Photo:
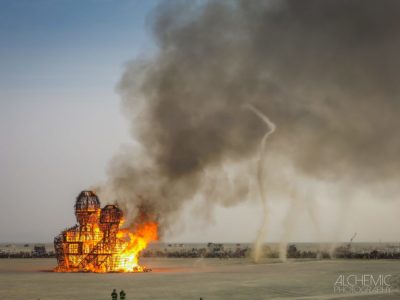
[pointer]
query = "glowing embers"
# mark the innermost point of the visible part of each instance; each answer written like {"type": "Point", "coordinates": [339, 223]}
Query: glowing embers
{"type": "Point", "coordinates": [98, 244]}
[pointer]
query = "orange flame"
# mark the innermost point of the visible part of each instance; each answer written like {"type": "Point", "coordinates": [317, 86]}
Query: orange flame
{"type": "Point", "coordinates": [134, 244]}
{"type": "Point", "coordinates": [91, 250]}
{"type": "Point", "coordinates": [98, 244]}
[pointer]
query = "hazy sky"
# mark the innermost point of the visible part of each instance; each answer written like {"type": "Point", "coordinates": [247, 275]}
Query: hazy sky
{"type": "Point", "coordinates": [59, 114]}
{"type": "Point", "coordinates": [60, 124]}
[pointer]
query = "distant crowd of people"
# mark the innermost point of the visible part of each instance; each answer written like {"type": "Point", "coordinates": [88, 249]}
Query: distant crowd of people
{"type": "Point", "coordinates": [218, 251]}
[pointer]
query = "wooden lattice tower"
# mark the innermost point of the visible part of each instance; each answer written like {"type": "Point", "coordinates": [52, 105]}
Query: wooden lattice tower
{"type": "Point", "coordinates": [92, 244]}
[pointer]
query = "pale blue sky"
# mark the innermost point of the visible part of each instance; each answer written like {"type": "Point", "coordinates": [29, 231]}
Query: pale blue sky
{"type": "Point", "coordinates": [59, 113]}
{"type": "Point", "coordinates": [69, 44]}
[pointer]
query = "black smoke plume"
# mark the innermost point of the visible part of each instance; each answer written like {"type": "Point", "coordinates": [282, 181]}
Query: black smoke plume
{"type": "Point", "coordinates": [325, 72]}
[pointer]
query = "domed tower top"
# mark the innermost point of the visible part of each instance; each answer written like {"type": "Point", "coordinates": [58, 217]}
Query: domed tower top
{"type": "Point", "coordinates": [110, 220]}
{"type": "Point", "coordinates": [111, 214]}
{"type": "Point", "coordinates": [87, 201]}
{"type": "Point", "coordinates": [87, 208]}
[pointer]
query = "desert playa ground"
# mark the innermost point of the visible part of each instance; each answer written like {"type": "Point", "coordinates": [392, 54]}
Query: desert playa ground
{"type": "Point", "coordinates": [184, 278]}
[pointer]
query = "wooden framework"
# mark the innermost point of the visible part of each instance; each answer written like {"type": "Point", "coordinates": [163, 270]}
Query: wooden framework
{"type": "Point", "coordinates": [92, 245]}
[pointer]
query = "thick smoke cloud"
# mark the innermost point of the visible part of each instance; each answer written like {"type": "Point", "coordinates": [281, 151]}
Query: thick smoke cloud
{"type": "Point", "coordinates": [325, 72]}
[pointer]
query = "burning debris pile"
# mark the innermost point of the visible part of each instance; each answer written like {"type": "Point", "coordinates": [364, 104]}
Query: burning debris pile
{"type": "Point", "coordinates": [98, 244]}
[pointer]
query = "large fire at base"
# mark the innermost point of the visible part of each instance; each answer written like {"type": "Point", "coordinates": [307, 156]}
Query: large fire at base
{"type": "Point", "coordinates": [98, 244]}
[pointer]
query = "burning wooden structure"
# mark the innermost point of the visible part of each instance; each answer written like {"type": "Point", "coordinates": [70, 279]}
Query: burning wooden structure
{"type": "Point", "coordinates": [97, 243]}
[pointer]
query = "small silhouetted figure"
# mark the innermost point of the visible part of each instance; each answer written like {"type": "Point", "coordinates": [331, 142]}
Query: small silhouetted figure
{"type": "Point", "coordinates": [122, 295]}
{"type": "Point", "coordinates": [114, 295]}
